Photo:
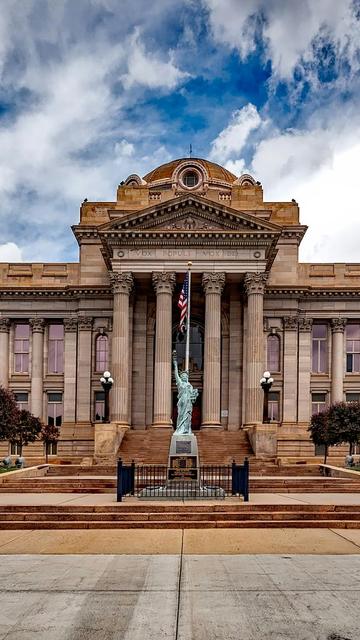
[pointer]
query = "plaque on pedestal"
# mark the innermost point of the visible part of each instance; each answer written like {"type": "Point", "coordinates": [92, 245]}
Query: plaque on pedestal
{"type": "Point", "coordinates": [183, 458]}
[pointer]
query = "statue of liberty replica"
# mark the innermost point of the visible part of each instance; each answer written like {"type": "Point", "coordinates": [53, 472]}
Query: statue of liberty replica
{"type": "Point", "coordinates": [183, 454]}
{"type": "Point", "coordinates": [186, 397]}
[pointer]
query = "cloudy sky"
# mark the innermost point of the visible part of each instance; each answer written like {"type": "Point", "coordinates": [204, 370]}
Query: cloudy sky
{"type": "Point", "coordinates": [93, 90]}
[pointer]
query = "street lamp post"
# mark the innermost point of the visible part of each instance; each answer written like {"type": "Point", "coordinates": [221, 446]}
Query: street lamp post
{"type": "Point", "coordinates": [266, 383]}
{"type": "Point", "coordinates": [106, 383]}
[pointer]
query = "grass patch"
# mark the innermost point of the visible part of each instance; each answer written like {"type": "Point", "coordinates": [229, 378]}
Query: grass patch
{"type": "Point", "coordinates": [5, 470]}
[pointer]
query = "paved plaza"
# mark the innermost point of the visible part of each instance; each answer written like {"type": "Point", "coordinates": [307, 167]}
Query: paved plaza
{"type": "Point", "coordinates": [180, 597]}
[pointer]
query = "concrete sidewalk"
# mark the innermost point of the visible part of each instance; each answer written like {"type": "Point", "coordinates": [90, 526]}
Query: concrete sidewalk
{"type": "Point", "coordinates": [174, 541]}
{"type": "Point", "coordinates": [176, 597]}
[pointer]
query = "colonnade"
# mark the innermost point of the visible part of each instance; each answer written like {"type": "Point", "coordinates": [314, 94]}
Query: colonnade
{"type": "Point", "coordinates": [77, 355]}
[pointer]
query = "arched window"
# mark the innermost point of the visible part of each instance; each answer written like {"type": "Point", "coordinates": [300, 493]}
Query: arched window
{"type": "Point", "coordinates": [101, 353]}
{"type": "Point", "coordinates": [273, 353]}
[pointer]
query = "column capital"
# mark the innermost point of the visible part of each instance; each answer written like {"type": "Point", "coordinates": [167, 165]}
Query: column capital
{"type": "Point", "coordinates": [70, 324]}
{"type": "Point", "coordinates": [305, 324]}
{"type": "Point", "coordinates": [338, 325]}
{"type": "Point", "coordinates": [163, 281]}
{"type": "Point", "coordinates": [85, 323]}
{"type": "Point", "coordinates": [213, 282]}
{"type": "Point", "coordinates": [121, 282]}
{"type": "Point", "coordinates": [255, 282]}
{"type": "Point", "coordinates": [290, 323]}
{"type": "Point", "coordinates": [4, 325]}
{"type": "Point", "coordinates": [37, 325]}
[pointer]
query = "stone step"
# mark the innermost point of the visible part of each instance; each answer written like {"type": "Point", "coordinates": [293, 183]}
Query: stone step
{"type": "Point", "coordinates": [180, 524]}
{"type": "Point", "coordinates": [175, 517]}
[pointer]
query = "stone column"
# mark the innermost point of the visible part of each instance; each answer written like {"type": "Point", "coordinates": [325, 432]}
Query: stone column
{"type": "Point", "coordinates": [4, 351]}
{"type": "Point", "coordinates": [83, 397]}
{"type": "Point", "coordinates": [337, 359]}
{"type": "Point", "coordinates": [255, 287]}
{"type": "Point", "coordinates": [164, 283]}
{"type": "Point", "coordinates": [122, 284]}
{"type": "Point", "coordinates": [70, 360]}
{"type": "Point", "coordinates": [37, 366]}
{"type": "Point", "coordinates": [305, 326]}
{"type": "Point", "coordinates": [290, 387]}
{"type": "Point", "coordinates": [213, 284]}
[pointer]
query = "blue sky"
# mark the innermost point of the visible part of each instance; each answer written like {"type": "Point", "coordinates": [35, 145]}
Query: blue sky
{"type": "Point", "coordinates": [93, 90]}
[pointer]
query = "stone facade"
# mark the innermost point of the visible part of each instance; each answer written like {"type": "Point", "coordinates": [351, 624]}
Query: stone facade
{"type": "Point", "coordinates": [249, 293]}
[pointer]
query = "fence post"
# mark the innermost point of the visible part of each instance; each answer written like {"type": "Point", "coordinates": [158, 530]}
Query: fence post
{"type": "Point", "coordinates": [246, 480]}
{"type": "Point", "coordinates": [233, 481]}
{"type": "Point", "coordinates": [119, 481]}
{"type": "Point", "coordinates": [132, 478]}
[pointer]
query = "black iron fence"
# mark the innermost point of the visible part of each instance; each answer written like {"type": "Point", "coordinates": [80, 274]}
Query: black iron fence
{"type": "Point", "coordinates": [213, 481]}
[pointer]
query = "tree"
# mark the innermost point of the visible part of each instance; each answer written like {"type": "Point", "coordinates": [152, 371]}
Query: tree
{"type": "Point", "coordinates": [321, 431]}
{"type": "Point", "coordinates": [9, 414]}
{"type": "Point", "coordinates": [27, 430]}
{"type": "Point", "coordinates": [49, 433]}
{"type": "Point", "coordinates": [344, 419]}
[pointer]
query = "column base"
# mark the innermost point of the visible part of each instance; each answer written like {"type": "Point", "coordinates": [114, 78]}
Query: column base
{"type": "Point", "coordinates": [162, 425]}
{"type": "Point", "coordinates": [211, 425]}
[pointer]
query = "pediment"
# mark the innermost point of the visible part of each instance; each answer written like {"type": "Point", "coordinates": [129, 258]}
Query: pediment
{"type": "Point", "coordinates": [189, 214]}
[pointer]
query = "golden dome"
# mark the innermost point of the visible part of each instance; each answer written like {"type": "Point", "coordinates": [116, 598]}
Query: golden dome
{"type": "Point", "coordinates": [214, 171]}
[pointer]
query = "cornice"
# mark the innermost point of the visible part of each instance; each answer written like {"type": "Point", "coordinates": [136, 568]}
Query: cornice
{"type": "Point", "coordinates": [312, 293]}
{"type": "Point", "coordinates": [53, 293]}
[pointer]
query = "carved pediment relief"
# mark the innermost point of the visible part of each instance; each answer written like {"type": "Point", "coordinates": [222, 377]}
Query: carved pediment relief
{"type": "Point", "coordinates": [189, 214]}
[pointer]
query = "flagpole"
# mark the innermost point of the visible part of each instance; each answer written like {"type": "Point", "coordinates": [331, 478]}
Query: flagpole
{"type": "Point", "coordinates": [188, 328]}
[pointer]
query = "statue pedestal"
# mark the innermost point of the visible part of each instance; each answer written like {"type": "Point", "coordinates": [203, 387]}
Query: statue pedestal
{"type": "Point", "coordinates": [183, 461]}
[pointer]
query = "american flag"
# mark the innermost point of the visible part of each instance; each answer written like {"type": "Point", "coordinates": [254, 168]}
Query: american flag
{"type": "Point", "coordinates": [183, 304]}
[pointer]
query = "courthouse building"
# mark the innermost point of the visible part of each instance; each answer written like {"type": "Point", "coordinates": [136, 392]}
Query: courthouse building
{"type": "Point", "coordinates": [254, 307]}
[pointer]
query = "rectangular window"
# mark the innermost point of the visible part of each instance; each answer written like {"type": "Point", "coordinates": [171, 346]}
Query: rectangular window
{"type": "Point", "coordinates": [353, 397]}
{"type": "Point", "coordinates": [353, 348]}
{"type": "Point", "coordinates": [52, 448]}
{"type": "Point", "coordinates": [319, 348]}
{"type": "Point", "coordinates": [274, 406]}
{"type": "Point", "coordinates": [22, 400]}
{"type": "Point", "coordinates": [56, 348]}
{"type": "Point", "coordinates": [54, 409]}
{"type": "Point", "coordinates": [99, 406]}
{"type": "Point", "coordinates": [21, 348]}
{"type": "Point", "coordinates": [14, 449]}
{"type": "Point", "coordinates": [318, 402]}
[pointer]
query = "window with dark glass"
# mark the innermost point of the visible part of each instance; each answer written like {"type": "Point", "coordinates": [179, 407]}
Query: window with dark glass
{"type": "Point", "coordinates": [274, 406]}
{"type": "Point", "coordinates": [196, 347]}
{"type": "Point", "coordinates": [318, 402]}
{"type": "Point", "coordinates": [353, 348]}
{"type": "Point", "coordinates": [353, 396]}
{"type": "Point", "coordinates": [56, 348]}
{"type": "Point", "coordinates": [54, 409]}
{"type": "Point", "coordinates": [22, 400]}
{"type": "Point", "coordinates": [21, 348]}
{"type": "Point", "coordinates": [14, 449]}
{"type": "Point", "coordinates": [51, 448]}
{"type": "Point", "coordinates": [101, 353]}
{"type": "Point", "coordinates": [99, 406]}
{"type": "Point", "coordinates": [190, 179]}
{"type": "Point", "coordinates": [273, 353]}
{"type": "Point", "coordinates": [319, 348]}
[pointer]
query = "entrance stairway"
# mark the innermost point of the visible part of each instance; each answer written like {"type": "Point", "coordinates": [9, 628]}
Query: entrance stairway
{"type": "Point", "coordinates": [216, 446]}
{"type": "Point", "coordinates": [179, 516]}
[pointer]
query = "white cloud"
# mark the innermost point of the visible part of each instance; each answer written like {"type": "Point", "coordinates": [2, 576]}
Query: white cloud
{"type": "Point", "coordinates": [319, 168]}
{"type": "Point", "coordinates": [237, 167]}
{"type": "Point", "coordinates": [232, 139]}
{"type": "Point", "coordinates": [72, 140]}
{"type": "Point", "coordinates": [289, 28]}
{"type": "Point", "coordinates": [10, 252]}
{"type": "Point", "coordinates": [148, 70]}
